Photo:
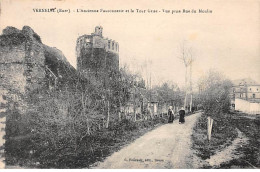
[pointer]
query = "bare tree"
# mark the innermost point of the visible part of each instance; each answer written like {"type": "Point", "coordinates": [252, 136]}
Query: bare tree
{"type": "Point", "coordinates": [191, 60]}
{"type": "Point", "coordinates": [187, 58]}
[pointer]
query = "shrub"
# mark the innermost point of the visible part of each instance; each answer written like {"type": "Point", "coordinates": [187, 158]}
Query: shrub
{"type": "Point", "coordinates": [59, 132]}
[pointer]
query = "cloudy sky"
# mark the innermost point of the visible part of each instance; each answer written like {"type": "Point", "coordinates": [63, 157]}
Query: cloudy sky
{"type": "Point", "coordinates": [228, 39]}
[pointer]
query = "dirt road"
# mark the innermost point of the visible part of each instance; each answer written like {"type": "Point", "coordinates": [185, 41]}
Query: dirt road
{"type": "Point", "coordinates": [168, 146]}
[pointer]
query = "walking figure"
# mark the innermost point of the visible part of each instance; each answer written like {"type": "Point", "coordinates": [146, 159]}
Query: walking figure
{"type": "Point", "coordinates": [182, 115]}
{"type": "Point", "coordinates": [170, 114]}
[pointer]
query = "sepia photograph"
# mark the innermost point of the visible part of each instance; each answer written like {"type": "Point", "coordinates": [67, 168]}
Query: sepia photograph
{"type": "Point", "coordinates": [127, 84]}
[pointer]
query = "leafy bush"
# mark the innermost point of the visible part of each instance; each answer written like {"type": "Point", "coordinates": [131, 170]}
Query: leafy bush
{"type": "Point", "coordinates": [214, 93]}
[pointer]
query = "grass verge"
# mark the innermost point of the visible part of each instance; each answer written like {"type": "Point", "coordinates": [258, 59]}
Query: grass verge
{"type": "Point", "coordinates": [250, 126]}
{"type": "Point", "coordinates": [223, 133]}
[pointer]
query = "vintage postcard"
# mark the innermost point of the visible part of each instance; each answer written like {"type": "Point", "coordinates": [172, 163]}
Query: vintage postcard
{"type": "Point", "coordinates": [129, 84]}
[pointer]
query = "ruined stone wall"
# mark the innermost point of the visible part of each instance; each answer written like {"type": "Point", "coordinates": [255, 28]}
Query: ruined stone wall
{"type": "Point", "coordinates": [34, 66]}
{"type": "Point", "coordinates": [25, 63]}
{"type": "Point", "coordinates": [12, 67]}
{"type": "Point", "coordinates": [27, 66]}
{"type": "Point", "coordinates": [12, 81]}
{"type": "Point", "coordinates": [3, 103]}
{"type": "Point", "coordinates": [65, 74]}
{"type": "Point", "coordinates": [21, 71]}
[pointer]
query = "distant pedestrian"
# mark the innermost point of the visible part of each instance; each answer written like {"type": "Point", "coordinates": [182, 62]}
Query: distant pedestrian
{"type": "Point", "coordinates": [193, 109]}
{"type": "Point", "coordinates": [170, 114]}
{"type": "Point", "coordinates": [182, 116]}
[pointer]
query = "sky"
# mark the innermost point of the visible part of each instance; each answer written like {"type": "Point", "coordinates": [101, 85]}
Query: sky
{"type": "Point", "coordinates": [227, 40]}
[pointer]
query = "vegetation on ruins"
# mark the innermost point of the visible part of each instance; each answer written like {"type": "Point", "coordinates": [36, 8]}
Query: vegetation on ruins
{"type": "Point", "coordinates": [75, 127]}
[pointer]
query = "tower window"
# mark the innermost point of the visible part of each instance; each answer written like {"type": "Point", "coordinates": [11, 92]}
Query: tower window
{"type": "Point", "coordinates": [113, 46]}
{"type": "Point", "coordinates": [253, 95]}
{"type": "Point", "coordinates": [108, 44]}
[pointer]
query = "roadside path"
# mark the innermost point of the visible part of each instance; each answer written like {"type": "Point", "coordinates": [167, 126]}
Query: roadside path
{"type": "Point", "coordinates": [168, 146]}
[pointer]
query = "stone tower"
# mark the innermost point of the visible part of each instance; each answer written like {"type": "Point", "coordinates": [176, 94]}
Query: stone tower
{"type": "Point", "coordinates": [96, 55]}
{"type": "Point", "coordinates": [98, 30]}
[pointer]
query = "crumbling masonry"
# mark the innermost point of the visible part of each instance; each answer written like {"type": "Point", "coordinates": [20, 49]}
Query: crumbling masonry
{"type": "Point", "coordinates": [27, 65]}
